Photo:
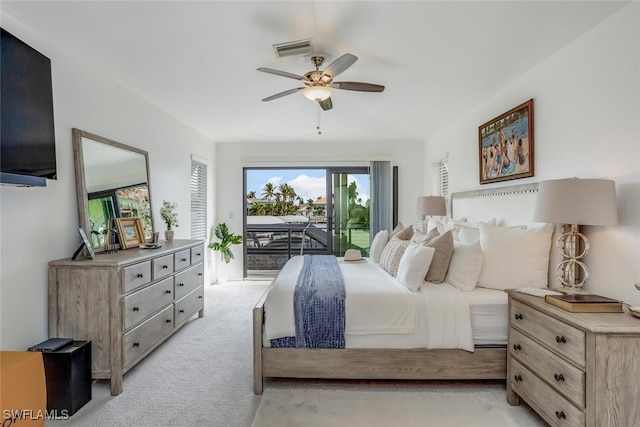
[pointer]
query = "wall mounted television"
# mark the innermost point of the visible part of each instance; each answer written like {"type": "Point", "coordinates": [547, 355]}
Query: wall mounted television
{"type": "Point", "coordinates": [27, 140]}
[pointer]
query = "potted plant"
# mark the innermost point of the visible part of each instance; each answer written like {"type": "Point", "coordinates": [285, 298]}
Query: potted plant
{"type": "Point", "coordinates": [170, 218]}
{"type": "Point", "coordinates": [227, 239]}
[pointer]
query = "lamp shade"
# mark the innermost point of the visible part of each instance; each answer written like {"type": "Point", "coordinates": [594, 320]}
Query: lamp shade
{"type": "Point", "coordinates": [315, 93]}
{"type": "Point", "coordinates": [431, 205]}
{"type": "Point", "coordinates": [577, 201]}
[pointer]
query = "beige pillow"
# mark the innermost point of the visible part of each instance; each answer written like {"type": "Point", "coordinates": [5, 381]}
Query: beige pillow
{"type": "Point", "coordinates": [419, 237]}
{"type": "Point", "coordinates": [392, 254]}
{"type": "Point", "coordinates": [405, 233]}
{"type": "Point", "coordinates": [398, 228]}
{"type": "Point", "coordinates": [443, 245]}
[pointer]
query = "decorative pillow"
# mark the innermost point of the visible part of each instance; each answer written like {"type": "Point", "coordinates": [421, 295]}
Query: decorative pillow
{"type": "Point", "coordinates": [465, 266]}
{"type": "Point", "coordinates": [378, 244]}
{"type": "Point", "coordinates": [515, 257]}
{"type": "Point", "coordinates": [420, 237]}
{"type": "Point", "coordinates": [405, 233]}
{"type": "Point", "coordinates": [392, 254]}
{"type": "Point", "coordinates": [398, 228]}
{"type": "Point", "coordinates": [443, 246]}
{"type": "Point", "coordinates": [414, 265]}
{"type": "Point", "coordinates": [468, 235]}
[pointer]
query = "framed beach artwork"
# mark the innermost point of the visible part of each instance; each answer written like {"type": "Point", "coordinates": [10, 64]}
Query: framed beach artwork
{"type": "Point", "coordinates": [506, 145]}
{"type": "Point", "coordinates": [130, 232]}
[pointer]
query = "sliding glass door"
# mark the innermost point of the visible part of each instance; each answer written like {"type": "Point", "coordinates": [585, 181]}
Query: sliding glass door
{"type": "Point", "coordinates": [349, 216]}
{"type": "Point", "coordinates": [294, 211]}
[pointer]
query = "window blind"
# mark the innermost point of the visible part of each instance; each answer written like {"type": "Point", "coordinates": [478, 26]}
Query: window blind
{"type": "Point", "coordinates": [198, 200]}
{"type": "Point", "coordinates": [440, 173]}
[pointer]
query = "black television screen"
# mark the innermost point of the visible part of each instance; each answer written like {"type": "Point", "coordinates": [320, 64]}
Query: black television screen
{"type": "Point", "coordinates": [27, 142]}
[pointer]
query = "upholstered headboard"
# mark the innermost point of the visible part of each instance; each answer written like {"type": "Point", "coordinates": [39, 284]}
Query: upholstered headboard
{"type": "Point", "coordinates": [510, 205]}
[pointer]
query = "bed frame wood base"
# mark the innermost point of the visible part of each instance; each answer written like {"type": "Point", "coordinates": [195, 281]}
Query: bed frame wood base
{"type": "Point", "coordinates": [396, 364]}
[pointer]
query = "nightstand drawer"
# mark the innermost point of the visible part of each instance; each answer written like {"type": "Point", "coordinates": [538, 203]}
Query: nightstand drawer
{"type": "Point", "coordinates": [551, 405]}
{"type": "Point", "coordinates": [552, 333]}
{"type": "Point", "coordinates": [563, 376]}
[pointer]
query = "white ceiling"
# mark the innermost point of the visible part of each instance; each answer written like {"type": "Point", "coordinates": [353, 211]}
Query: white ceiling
{"type": "Point", "coordinates": [198, 60]}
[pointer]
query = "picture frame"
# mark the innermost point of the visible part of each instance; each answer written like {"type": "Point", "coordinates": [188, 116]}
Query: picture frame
{"type": "Point", "coordinates": [130, 232]}
{"type": "Point", "coordinates": [505, 145]}
{"type": "Point", "coordinates": [86, 244]}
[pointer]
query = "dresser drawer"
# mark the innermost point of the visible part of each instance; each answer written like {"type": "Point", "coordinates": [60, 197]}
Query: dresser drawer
{"type": "Point", "coordinates": [197, 254]}
{"type": "Point", "coordinates": [551, 405]}
{"type": "Point", "coordinates": [563, 376]}
{"type": "Point", "coordinates": [143, 303]}
{"type": "Point", "coordinates": [188, 280]}
{"type": "Point", "coordinates": [162, 266]}
{"type": "Point", "coordinates": [552, 333]}
{"type": "Point", "coordinates": [141, 338]}
{"type": "Point", "coordinates": [189, 304]}
{"type": "Point", "coordinates": [181, 259]}
{"type": "Point", "coordinates": [136, 275]}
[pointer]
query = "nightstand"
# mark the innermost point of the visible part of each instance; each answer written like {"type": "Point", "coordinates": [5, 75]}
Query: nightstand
{"type": "Point", "coordinates": [573, 369]}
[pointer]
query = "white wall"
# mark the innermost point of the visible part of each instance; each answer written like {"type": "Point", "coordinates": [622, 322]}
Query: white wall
{"type": "Point", "coordinates": [38, 225]}
{"type": "Point", "coordinates": [587, 124]}
{"type": "Point", "coordinates": [232, 157]}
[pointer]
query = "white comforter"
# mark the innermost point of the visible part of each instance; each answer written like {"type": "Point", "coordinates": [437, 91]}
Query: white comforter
{"type": "Point", "coordinates": [378, 305]}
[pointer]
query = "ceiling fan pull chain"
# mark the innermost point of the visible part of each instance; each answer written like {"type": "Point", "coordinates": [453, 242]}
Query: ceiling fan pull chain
{"type": "Point", "coordinates": [318, 121]}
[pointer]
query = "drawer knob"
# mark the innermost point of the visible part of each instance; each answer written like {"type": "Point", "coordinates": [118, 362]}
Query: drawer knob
{"type": "Point", "coordinates": [558, 377]}
{"type": "Point", "coordinates": [167, 291]}
{"type": "Point", "coordinates": [518, 378]}
{"type": "Point", "coordinates": [183, 259]}
{"type": "Point", "coordinates": [517, 347]}
{"type": "Point", "coordinates": [199, 296]}
{"type": "Point", "coordinates": [140, 275]}
{"type": "Point", "coordinates": [518, 316]}
{"type": "Point", "coordinates": [199, 274]}
{"type": "Point", "coordinates": [164, 267]}
{"type": "Point", "coordinates": [181, 311]}
{"type": "Point", "coordinates": [198, 254]}
{"type": "Point", "coordinates": [180, 284]}
{"type": "Point", "coordinates": [136, 308]}
{"type": "Point", "coordinates": [561, 339]}
{"type": "Point", "coordinates": [136, 344]}
{"type": "Point", "coordinates": [168, 320]}
{"type": "Point", "coordinates": [560, 415]}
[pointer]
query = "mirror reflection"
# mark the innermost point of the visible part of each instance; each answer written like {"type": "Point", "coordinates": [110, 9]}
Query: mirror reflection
{"type": "Point", "coordinates": [115, 184]}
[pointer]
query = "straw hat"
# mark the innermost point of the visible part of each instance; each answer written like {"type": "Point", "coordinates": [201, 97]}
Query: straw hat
{"type": "Point", "coordinates": [353, 255]}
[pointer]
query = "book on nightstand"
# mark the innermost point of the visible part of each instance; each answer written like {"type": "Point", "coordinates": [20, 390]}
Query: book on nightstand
{"type": "Point", "coordinates": [585, 303]}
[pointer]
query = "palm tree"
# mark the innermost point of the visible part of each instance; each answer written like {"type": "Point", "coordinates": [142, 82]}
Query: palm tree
{"type": "Point", "coordinates": [269, 190]}
{"type": "Point", "coordinates": [251, 195]}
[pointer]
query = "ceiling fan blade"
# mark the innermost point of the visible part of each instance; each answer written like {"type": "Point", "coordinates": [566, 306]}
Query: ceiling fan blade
{"type": "Point", "coordinates": [359, 86]}
{"type": "Point", "coordinates": [280, 73]}
{"type": "Point", "coordinates": [327, 104]}
{"type": "Point", "coordinates": [281, 94]}
{"type": "Point", "coordinates": [339, 65]}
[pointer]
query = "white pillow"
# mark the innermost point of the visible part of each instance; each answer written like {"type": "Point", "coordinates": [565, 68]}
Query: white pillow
{"type": "Point", "coordinates": [465, 266]}
{"type": "Point", "coordinates": [414, 265]}
{"type": "Point", "coordinates": [468, 235]}
{"type": "Point", "coordinates": [515, 257]}
{"type": "Point", "coordinates": [377, 245]}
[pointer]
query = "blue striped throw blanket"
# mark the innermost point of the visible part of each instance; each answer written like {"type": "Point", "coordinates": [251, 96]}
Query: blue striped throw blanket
{"type": "Point", "coordinates": [318, 305]}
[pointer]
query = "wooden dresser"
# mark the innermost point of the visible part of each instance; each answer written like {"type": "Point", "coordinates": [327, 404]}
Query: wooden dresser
{"type": "Point", "coordinates": [126, 303]}
{"type": "Point", "coordinates": [574, 369]}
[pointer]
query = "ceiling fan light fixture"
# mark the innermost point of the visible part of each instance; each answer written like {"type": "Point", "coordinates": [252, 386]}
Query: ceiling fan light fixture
{"type": "Point", "coordinates": [315, 93]}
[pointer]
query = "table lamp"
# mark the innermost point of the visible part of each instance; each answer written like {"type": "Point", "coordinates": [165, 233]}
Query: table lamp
{"type": "Point", "coordinates": [574, 202]}
{"type": "Point", "coordinates": [430, 205]}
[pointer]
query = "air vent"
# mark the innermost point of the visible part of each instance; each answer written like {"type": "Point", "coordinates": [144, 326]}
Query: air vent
{"type": "Point", "coordinates": [298, 47]}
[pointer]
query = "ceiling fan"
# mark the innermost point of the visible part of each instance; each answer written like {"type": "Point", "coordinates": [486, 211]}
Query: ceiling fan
{"type": "Point", "coordinates": [319, 85]}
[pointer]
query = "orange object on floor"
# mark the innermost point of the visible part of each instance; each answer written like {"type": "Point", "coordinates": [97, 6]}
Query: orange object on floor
{"type": "Point", "coordinates": [23, 389]}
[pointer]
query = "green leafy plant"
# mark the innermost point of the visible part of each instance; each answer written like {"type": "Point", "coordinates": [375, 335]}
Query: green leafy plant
{"type": "Point", "coordinates": [226, 240]}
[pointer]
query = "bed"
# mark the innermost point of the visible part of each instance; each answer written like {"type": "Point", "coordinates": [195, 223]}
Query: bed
{"type": "Point", "coordinates": [421, 354]}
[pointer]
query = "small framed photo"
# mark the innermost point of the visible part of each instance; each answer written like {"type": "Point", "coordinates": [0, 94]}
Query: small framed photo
{"type": "Point", "coordinates": [506, 145]}
{"type": "Point", "coordinates": [130, 232]}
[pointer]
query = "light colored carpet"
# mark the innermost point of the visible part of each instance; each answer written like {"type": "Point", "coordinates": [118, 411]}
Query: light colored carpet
{"type": "Point", "coordinates": [202, 376]}
{"type": "Point", "coordinates": [439, 405]}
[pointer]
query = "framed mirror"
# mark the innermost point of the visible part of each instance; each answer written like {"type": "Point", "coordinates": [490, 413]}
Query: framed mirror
{"type": "Point", "coordinates": [112, 181]}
